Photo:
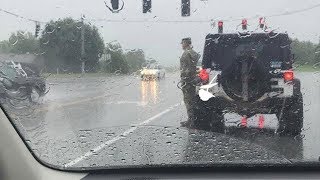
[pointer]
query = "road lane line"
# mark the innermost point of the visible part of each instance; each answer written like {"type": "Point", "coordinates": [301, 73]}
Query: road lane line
{"type": "Point", "coordinates": [122, 136]}
{"type": "Point", "coordinates": [138, 103]}
{"type": "Point", "coordinates": [84, 100]}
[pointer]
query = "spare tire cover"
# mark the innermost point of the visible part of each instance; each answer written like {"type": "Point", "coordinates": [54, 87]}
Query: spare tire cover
{"type": "Point", "coordinates": [258, 79]}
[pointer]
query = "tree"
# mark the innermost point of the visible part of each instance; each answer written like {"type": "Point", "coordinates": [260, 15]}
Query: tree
{"type": "Point", "coordinates": [304, 51]}
{"type": "Point", "coordinates": [317, 54]}
{"type": "Point", "coordinates": [135, 59]}
{"type": "Point", "coordinates": [5, 47]}
{"type": "Point", "coordinates": [150, 61]}
{"type": "Point", "coordinates": [61, 40]}
{"type": "Point", "coordinates": [20, 42]}
{"type": "Point", "coordinates": [117, 62]}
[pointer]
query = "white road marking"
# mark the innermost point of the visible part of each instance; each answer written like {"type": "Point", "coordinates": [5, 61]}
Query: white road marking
{"type": "Point", "coordinates": [55, 105]}
{"type": "Point", "coordinates": [138, 103]}
{"type": "Point", "coordinates": [123, 135]}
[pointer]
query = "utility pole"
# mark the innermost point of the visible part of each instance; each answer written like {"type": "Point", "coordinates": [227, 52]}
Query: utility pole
{"type": "Point", "coordinates": [82, 46]}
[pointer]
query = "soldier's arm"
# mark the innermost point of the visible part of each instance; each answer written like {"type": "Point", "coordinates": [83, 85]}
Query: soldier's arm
{"type": "Point", "coordinates": [197, 57]}
{"type": "Point", "coordinates": [186, 62]}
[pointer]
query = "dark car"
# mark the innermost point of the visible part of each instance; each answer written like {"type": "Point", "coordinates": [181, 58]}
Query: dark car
{"type": "Point", "coordinates": [18, 81]}
{"type": "Point", "coordinates": [254, 79]}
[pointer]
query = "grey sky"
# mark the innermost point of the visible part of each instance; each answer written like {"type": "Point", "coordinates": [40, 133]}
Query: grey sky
{"type": "Point", "coordinates": [161, 40]}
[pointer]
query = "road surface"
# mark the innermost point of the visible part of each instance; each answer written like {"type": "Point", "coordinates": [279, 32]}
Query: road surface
{"type": "Point", "coordinates": [81, 116]}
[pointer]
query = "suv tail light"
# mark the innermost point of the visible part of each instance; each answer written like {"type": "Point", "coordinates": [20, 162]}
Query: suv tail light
{"type": "Point", "coordinates": [204, 76]}
{"type": "Point", "coordinates": [288, 75]}
{"type": "Point", "coordinates": [244, 24]}
{"type": "Point", "coordinates": [220, 27]}
{"type": "Point", "coordinates": [262, 22]}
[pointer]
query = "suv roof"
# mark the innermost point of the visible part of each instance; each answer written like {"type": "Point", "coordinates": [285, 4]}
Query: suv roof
{"type": "Point", "coordinates": [222, 49]}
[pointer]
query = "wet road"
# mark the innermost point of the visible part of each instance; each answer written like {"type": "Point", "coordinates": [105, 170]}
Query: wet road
{"type": "Point", "coordinates": [82, 116]}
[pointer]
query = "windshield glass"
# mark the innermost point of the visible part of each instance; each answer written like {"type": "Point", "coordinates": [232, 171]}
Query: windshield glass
{"type": "Point", "coordinates": [141, 83]}
{"type": "Point", "coordinates": [153, 66]}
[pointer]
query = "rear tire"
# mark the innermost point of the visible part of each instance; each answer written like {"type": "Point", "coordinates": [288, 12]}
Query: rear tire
{"type": "Point", "coordinates": [291, 123]}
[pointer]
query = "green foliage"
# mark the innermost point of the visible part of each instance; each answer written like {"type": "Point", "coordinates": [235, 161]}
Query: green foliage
{"type": "Point", "coordinates": [135, 59]}
{"type": "Point", "coordinates": [5, 47]}
{"type": "Point", "coordinates": [304, 51]}
{"type": "Point", "coordinates": [317, 54]}
{"type": "Point", "coordinates": [61, 40]}
{"type": "Point", "coordinates": [151, 61]}
{"type": "Point", "coordinates": [117, 62]}
{"type": "Point", "coordinates": [20, 42]}
{"type": "Point", "coordinates": [120, 62]}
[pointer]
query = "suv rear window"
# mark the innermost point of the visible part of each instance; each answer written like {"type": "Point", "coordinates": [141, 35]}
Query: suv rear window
{"type": "Point", "coordinates": [222, 49]}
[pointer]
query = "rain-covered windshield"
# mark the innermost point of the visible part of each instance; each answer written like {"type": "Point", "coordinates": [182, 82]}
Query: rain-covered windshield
{"type": "Point", "coordinates": [153, 66]}
{"type": "Point", "coordinates": [140, 83]}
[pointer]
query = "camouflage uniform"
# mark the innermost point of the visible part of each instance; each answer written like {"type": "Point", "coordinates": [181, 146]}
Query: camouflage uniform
{"type": "Point", "coordinates": [188, 68]}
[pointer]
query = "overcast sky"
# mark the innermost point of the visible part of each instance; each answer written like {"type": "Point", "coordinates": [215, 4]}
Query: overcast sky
{"type": "Point", "coordinates": [162, 40]}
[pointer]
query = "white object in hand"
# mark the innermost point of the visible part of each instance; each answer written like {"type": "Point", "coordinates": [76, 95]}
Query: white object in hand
{"type": "Point", "coordinates": [205, 95]}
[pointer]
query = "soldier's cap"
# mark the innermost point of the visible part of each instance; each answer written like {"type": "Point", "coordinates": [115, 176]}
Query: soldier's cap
{"type": "Point", "coordinates": [186, 40]}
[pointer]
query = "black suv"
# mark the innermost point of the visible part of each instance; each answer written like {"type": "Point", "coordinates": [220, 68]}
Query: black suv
{"type": "Point", "coordinates": [253, 79]}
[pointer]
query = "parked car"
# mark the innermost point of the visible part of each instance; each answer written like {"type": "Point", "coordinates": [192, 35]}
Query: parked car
{"type": "Point", "coordinates": [20, 81]}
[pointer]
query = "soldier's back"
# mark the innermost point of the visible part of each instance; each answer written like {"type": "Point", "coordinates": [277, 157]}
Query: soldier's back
{"type": "Point", "coordinates": [188, 63]}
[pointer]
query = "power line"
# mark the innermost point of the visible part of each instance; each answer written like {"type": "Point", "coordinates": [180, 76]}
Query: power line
{"type": "Point", "coordinates": [296, 11]}
{"type": "Point", "coordinates": [210, 20]}
{"type": "Point", "coordinates": [173, 21]}
{"type": "Point", "coordinates": [19, 16]}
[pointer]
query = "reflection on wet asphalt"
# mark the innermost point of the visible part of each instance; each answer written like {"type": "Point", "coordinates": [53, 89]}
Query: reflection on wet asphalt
{"type": "Point", "coordinates": [154, 145]}
{"type": "Point", "coordinates": [110, 115]}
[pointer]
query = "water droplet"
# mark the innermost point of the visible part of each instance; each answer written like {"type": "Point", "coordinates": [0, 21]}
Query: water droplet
{"type": "Point", "coordinates": [82, 136]}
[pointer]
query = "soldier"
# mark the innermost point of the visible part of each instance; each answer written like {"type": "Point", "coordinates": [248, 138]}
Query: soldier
{"type": "Point", "coordinates": [188, 68]}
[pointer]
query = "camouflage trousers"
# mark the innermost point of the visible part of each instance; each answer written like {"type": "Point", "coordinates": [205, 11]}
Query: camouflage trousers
{"type": "Point", "coordinates": [190, 101]}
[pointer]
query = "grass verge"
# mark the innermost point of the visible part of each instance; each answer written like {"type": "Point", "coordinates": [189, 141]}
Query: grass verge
{"type": "Point", "coordinates": [75, 75]}
{"type": "Point", "coordinates": [307, 68]}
